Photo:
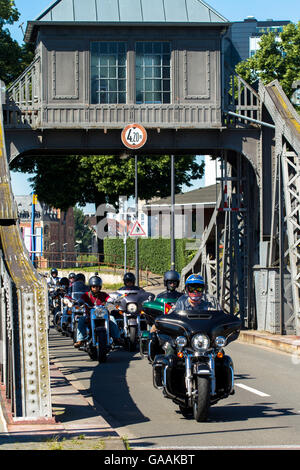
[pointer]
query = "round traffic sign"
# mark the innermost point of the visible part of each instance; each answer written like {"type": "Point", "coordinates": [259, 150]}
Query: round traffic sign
{"type": "Point", "coordinates": [134, 136]}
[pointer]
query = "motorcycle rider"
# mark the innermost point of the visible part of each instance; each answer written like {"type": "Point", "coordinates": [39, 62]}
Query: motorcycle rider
{"type": "Point", "coordinates": [171, 281]}
{"type": "Point", "coordinates": [52, 280]}
{"type": "Point", "coordinates": [129, 282]}
{"type": "Point", "coordinates": [94, 297]}
{"type": "Point", "coordinates": [71, 278]}
{"type": "Point", "coordinates": [78, 287]}
{"type": "Point", "coordinates": [195, 296]}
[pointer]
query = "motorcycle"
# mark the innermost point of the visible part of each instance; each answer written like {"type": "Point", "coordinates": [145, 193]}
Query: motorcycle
{"type": "Point", "coordinates": [99, 342]}
{"type": "Point", "coordinates": [195, 372]}
{"type": "Point", "coordinates": [58, 309]}
{"type": "Point", "coordinates": [128, 313]}
{"type": "Point", "coordinates": [153, 309]}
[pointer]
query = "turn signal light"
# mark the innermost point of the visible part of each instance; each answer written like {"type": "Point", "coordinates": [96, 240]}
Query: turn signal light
{"type": "Point", "coordinates": [180, 354]}
{"type": "Point", "coordinates": [220, 355]}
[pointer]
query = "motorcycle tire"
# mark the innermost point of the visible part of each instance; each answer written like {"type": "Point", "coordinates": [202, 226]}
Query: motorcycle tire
{"type": "Point", "coordinates": [201, 402]}
{"type": "Point", "coordinates": [132, 338]}
{"type": "Point", "coordinates": [74, 334]}
{"type": "Point", "coordinates": [101, 348]}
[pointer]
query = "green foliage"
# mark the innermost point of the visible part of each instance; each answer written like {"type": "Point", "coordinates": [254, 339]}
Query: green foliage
{"type": "Point", "coordinates": [275, 60]}
{"type": "Point", "coordinates": [13, 57]}
{"type": "Point", "coordinates": [104, 178]}
{"type": "Point", "coordinates": [82, 231]}
{"type": "Point", "coordinates": [8, 12]}
{"type": "Point", "coordinates": [154, 253]}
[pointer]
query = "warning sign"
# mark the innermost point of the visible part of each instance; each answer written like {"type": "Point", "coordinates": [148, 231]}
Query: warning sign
{"type": "Point", "coordinates": [137, 230]}
{"type": "Point", "coordinates": [134, 136]}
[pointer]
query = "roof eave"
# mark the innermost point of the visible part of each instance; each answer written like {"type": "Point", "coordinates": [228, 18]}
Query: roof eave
{"type": "Point", "coordinates": [32, 26]}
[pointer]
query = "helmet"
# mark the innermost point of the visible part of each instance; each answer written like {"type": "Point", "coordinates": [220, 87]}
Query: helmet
{"type": "Point", "coordinates": [129, 277]}
{"type": "Point", "coordinates": [64, 282]}
{"type": "Point", "coordinates": [171, 276]}
{"type": "Point", "coordinates": [195, 286]}
{"type": "Point", "coordinates": [80, 277]}
{"type": "Point", "coordinates": [54, 271]}
{"type": "Point", "coordinates": [72, 276]}
{"type": "Point", "coordinates": [95, 281]}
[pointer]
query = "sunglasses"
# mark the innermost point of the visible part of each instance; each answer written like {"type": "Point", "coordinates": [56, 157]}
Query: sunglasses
{"type": "Point", "coordinates": [195, 289]}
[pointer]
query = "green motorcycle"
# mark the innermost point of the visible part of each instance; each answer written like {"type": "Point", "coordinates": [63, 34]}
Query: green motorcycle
{"type": "Point", "coordinates": [151, 310]}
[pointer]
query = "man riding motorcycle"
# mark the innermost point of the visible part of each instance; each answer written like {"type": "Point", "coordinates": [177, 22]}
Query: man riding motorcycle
{"type": "Point", "coordinates": [78, 287]}
{"type": "Point", "coordinates": [171, 281]}
{"type": "Point", "coordinates": [94, 297]}
{"type": "Point", "coordinates": [129, 282]}
{"type": "Point", "coordinates": [53, 279]}
{"type": "Point", "coordinates": [195, 298]}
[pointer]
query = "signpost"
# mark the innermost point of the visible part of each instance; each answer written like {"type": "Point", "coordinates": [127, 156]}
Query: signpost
{"type": "Point", "coordinates": [134, 137]}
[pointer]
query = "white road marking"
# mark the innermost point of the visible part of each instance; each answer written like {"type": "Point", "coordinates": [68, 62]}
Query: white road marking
{"type": "Point", "coordinates": [253, 390]}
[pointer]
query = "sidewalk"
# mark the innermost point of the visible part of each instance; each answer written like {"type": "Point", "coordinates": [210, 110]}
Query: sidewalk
{"type": "Point", "coordinates": [79, 424]}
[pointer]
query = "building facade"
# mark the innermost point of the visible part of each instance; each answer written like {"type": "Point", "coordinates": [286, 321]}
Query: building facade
{"type": "Point", "coordinates": [245, 36]}
{"type": "Point", "coordinates": [48, 233]}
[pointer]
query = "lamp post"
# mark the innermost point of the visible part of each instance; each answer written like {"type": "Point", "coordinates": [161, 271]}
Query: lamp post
{"type": "Point", "coordinates": [136, 216]}
{"type": "Point", "coordinates": [51, 252]}
{"type": "Point", "coordinates": [172, 214]}
{"type": "Point", "coordinates": [64, 250]}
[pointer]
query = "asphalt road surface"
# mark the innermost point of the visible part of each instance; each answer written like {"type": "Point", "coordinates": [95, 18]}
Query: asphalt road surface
{"type": "Point", "coordinates": [263, 413]}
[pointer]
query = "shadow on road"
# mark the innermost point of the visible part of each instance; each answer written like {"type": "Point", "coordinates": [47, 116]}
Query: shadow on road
{"type": "Point", "coordinates": [106, 383]}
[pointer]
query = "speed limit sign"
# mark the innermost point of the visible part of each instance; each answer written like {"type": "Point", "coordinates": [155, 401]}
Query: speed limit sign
{"type": "Point", "coordinates": [134, 136]}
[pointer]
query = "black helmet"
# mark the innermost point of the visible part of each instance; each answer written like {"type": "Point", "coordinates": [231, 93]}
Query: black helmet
{"type": "Point", "coordinates": [129, 277]}
{"type": "Point", "coordinates": [95, 281]}
{"type": "Point", "coordinates": [171, 276]}
{"type": "Point", "coordinates": [64, 282]}
{"type": "Point", "coordinates": [72, 276]}
{"type": "Point", "coordinates": [80, 277]}
{"type": "Point", "coordinates": [54, 271]}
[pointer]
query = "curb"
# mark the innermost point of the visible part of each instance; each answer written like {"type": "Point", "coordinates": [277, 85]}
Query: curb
{"type": "Point", "coordinates": [289, 344]}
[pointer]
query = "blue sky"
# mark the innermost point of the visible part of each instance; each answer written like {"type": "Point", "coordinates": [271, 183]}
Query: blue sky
{"type": "Point", "coordinates": [233, 10]}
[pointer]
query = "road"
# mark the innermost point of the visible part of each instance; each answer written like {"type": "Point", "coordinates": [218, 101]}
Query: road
{"type": "Point", "coordinates": [263, 413]}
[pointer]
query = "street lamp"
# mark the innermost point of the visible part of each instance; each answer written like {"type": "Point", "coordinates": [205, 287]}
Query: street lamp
{"type": "Point", "coordinates": [124, 156]}
{"type": "Point", "coordinates": [51, 252]}
{"type": "Point", "coordinates": [64, 250]}
{"type": "Point", "coordinates": [172, 214]}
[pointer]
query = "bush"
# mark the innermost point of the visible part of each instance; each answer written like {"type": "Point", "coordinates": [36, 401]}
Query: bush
{"type": "Point", "coordinates": [154, 253]}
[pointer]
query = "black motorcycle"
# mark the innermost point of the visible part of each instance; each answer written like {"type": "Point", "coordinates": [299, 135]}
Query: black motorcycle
{"type": "Point", "coordinates": [194, 371]}
{"type": "Point", "coordinates": [128, 305]}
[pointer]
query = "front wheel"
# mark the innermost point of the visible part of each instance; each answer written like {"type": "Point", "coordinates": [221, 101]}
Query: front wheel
{"type": "Point", "coordinates": [101, 346]}
{"type": "Point", "coordinates": [132, 338]}
{"type": "Point", "coordinates": [201, 403]}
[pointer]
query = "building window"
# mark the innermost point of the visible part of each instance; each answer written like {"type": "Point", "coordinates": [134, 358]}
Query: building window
{"type": "Point", "coordinates": [108, 72]}
{"type": "Point", "coordinates": [153, 84]}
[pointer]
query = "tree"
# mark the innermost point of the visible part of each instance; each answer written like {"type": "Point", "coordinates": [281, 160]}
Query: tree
{"type": "Point", "coordinates": [13, 57]}
{"type": "Point", "coordinates": [275, 59]}
{"type": "Point", "coordinates": [103, 179]}
{"type": "Point", "coordinates": [82, 231]}
{"type": "Point", "coordinates": [65, 181]}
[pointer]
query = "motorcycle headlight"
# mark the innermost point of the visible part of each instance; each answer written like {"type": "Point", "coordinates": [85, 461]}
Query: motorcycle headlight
{"type": "Point", "coordinates": [132, 308]}
{"type": "Point", "coordinates": [181, 341]}
{"type": "Point", "coordinates": [200, 342]}
{"type": "Point", "coordinates": [220, 341]}
{"type": "Point", "coordinates": [99, 312]}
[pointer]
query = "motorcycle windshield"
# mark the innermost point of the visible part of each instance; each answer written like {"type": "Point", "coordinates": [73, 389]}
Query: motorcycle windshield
{"type": "Point", "coordinates": [211, 322]}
